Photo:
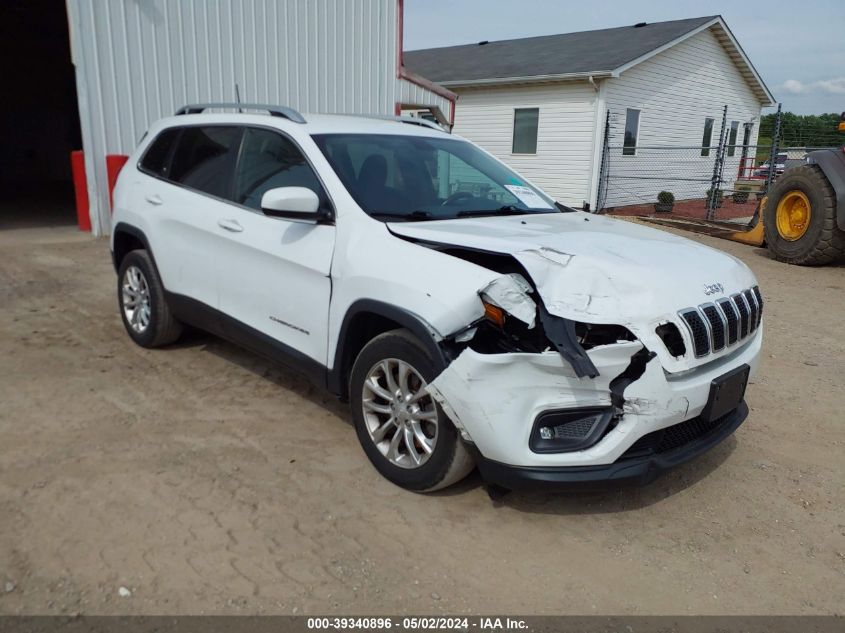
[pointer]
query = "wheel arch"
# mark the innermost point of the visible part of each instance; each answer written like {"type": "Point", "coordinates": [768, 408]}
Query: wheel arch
{"type": "Point", "coordinates": [364, 320]}
{"type": "Point", "coordinates": [126, 238]}
{"type": "Point", "coordinates": [832, 165]}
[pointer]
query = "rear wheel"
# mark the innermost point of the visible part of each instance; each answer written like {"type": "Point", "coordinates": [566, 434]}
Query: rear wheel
{"type": "Point", "coordinates": [143, 307]}
{"type": "Point", "coordinates": [800, 219]}
{"type": "Point", "coordinates": [402, 429]}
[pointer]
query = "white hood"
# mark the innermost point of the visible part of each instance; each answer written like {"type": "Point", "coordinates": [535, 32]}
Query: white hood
{"type": "Point", "coordinates": [598, 269]}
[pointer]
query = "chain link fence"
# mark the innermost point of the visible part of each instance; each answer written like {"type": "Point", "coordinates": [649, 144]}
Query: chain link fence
{"type": "Point", "coordinates": [723, 181]}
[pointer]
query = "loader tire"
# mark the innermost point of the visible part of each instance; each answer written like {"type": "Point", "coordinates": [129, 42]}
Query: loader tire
{"type": "Point", "coordinates": [800, 219]}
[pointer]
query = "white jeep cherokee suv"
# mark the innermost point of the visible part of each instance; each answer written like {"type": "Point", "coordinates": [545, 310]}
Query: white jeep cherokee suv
{"type": "Point", "coordinates": [468, 318]}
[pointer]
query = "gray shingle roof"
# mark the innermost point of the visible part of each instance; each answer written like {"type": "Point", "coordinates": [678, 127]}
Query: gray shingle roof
{"type": "Point", "coordinates": [569, 53]}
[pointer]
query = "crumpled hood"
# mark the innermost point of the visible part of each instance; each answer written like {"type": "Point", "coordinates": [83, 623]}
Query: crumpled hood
{"type": "Point", "coordinates": [598, 269]}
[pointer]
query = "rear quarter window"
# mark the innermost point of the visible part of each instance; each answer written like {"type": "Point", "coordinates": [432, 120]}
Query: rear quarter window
{"type": "Point", "coordinates": [156, 160]}
{"type": "Point", "coordinates": [203, 159]}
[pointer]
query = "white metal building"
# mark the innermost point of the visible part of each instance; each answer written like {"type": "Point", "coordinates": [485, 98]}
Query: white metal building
{"type": "Point", "coordinates": [138, 60]}
{"type": "Point", "coordinates": [540, 103]}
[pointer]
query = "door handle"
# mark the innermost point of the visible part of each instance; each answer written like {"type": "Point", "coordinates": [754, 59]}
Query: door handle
{"type": "Point", "coordinates": [154, 199]}
{"type": "Point", "coordinates": [230, 225]}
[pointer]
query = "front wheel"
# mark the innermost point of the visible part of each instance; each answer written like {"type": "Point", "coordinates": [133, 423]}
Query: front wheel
{"type": "Point", "coordinates": [403, 431]}
{"type": "Point", "coordinates": [800, 219]}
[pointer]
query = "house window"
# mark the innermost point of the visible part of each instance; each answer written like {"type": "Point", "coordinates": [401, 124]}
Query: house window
{"type": "Point", "coordinates": [732, 138]}
{"type": "Point", "coordinates": [708, 136]}
{"type": "Point", "coordinates": [525, 130]}
{"type": "Point", "coordinates": [632, 129]}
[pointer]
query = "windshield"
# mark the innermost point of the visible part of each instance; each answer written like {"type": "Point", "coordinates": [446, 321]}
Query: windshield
{"type": "Point", "coordinates": [415, 178]}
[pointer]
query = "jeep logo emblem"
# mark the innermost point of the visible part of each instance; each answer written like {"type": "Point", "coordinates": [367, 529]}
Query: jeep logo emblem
{"type": "Point", "coordinates": [711, 289]}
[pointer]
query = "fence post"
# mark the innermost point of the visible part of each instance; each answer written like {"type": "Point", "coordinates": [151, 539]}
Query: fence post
{"type": "Point", "coordinates": [774, 152]}
{"type": "Point", "coordinates": [718, 165]}
{"type": "Point", "coordinates": [602, 190]}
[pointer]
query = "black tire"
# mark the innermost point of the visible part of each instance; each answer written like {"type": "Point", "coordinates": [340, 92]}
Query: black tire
{"type": "Point", "coordinates": [162, 328]}
{"type": "Point", "coordinates": [449, 461]}
{"type": "Point", "coordinates": [823, 242]}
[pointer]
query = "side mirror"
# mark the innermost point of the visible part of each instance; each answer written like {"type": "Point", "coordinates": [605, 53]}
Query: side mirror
{"type": "Point", "coordinates": [292, 203]}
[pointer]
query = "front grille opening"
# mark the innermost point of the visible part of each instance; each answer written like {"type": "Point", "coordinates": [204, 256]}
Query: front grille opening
{"type": "Point", "coordinates": [700, 335]}
{"type": "Point", "coordinates": [717, 326]}
{"type": "Point", "coordinates": [672, 339]}
{"type": "Point", "coordinates": [731, 318]}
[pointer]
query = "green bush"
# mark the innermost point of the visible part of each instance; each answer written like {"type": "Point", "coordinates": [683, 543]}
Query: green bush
{"type": "Point", "coordinates": [666, 197]}
{"type": "Point", "coordinates": [720, 194]}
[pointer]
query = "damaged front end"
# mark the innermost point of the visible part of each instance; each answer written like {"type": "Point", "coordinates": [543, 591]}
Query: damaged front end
{"type": "Point", "coordinates": [534, 392]}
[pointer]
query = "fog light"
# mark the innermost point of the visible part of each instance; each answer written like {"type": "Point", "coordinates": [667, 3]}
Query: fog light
{"type": "Point", "coordinates": [569, 429]}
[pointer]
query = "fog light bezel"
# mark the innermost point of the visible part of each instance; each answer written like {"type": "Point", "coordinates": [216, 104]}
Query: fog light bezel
{"type": "Point", "coordinates": [538, 444]}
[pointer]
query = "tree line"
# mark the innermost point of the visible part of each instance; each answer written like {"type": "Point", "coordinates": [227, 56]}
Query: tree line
{"type": "Point", "coordinates": [802, 130]}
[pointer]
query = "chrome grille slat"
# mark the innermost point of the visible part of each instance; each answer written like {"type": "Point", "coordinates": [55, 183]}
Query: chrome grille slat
{"type": "Point", "coordinates": [727, 321]}
{"type": "Point", "coordinates": [732, 319]}
{"type": "Point", "coordinates": [742, 308]}
{"type": "Point", "coordinates": [751, 300]}
{"type": "Point", "coordinates": [716, 324]}
{"type": "Point", "coordinates": [698, 331]}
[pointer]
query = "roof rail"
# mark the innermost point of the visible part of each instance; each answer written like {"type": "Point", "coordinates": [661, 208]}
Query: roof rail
{"type": "Point", "coordinates": [410, 120]}
{"type": "Point", "coordinates": [274, 110]}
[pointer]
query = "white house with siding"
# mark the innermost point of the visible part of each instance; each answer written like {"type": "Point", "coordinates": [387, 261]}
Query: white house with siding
{"type": "Point", "coordinates": [540, 104]}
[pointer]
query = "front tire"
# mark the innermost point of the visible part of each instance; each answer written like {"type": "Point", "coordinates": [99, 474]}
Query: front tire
{"type": "Point", "coordinates": [800, 219]}
{"type": "Point", "coordinates": [403, 431]}
{"type": "Point", "coordinates": [143, 307]}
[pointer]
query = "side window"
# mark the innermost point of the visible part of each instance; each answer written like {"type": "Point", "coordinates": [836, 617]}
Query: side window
{"type": "Point", "coordinates": [708, 137]}
{"type": "Point", "coordinates": [632, 131]}
{"type": "Point", "coordinates": [269, 160]}
{"type": "Point", "coordinates": [732, 138]}
{"type": "Point", "coordinates": [203, 159]}
{"type": "Point", "coordinates": [156, 160]}
{"type": "Point", "coordinates": [525, 123]}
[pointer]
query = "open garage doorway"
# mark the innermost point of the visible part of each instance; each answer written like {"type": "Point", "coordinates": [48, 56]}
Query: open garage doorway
{"type": "Point", "coordinates": [39, 117]}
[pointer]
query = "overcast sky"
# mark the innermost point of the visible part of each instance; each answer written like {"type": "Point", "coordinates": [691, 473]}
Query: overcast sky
{"type": "Point", "coordinates": [797, 46]}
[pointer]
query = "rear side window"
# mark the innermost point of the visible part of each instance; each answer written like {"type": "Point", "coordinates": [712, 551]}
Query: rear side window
{"type": "Point", "coordinates": [269, 160]}
{"type": "Point", "coordinates": [203, 159]}
{"type": "Point", "coordinates": [156, 160]}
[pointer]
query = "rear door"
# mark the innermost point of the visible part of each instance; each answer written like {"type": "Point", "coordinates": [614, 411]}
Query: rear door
{"type": "Point", "coordinates": [273, 272]}
{"type": "Point", "coordinates": [187, 200]}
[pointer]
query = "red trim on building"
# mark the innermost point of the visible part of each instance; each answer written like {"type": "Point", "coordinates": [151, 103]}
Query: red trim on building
{"type": "Point", "coordinates": [404, 73]}
{"type": "Point", "coordinates": [114, 163]}
{"type": "Point", "coordinates": [400, 36]}
{"type": "Point", "coordinates": [80, 188]}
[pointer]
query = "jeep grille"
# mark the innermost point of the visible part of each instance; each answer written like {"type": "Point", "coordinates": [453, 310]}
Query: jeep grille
{"type": "Point", "coordinates": [715, 326]}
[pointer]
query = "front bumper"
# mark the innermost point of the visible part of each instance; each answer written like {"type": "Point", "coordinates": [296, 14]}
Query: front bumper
{"type": "Point", "coordinates": [494, 399]}
{"type": "Point", "coordinates": [634, 470]}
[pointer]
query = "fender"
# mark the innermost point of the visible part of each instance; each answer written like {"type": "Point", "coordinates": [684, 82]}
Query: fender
{"type": "Point", "coordinates": [415, 324]}
{"type": "Point", "coordinates": [832, 164]}
{"type": "Point", "coordinates": [123, 227]}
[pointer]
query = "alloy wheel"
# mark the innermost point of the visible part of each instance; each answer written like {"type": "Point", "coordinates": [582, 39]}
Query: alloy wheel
{"type": "Point", "coordinates": [400, 415]}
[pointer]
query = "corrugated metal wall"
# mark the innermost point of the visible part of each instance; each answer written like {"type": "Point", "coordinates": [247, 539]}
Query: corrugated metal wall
{"type": "Point", "coordinates": [413, 94]}
{"type": "Point", "coordinates": [139, 60]}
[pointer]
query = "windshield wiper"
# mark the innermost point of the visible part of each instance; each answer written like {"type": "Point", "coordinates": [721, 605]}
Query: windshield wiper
{"type": "Point", "coordinates": [408, 217]}
{"type": "Point", "coordinates": [507, 209]}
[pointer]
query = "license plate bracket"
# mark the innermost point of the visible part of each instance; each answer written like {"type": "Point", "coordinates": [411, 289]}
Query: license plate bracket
{"type": "Point", "coordinates": [726, 393]}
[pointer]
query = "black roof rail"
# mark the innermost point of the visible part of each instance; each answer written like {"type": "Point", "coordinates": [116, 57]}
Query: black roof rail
{"type": "Point", "coordinates": [274, 110]}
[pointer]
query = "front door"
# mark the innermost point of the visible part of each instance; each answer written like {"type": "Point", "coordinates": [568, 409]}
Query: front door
{"type": "Point", "coordinates": [274, 274]}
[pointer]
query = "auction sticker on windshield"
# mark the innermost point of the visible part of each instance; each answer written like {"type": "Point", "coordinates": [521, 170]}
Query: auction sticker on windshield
{"type": "Point", "coordinates": [528, 197]}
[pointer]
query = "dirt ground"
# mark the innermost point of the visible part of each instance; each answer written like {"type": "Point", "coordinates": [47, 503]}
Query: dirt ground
{"type": "Point", "coordinates": [201, 479]}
